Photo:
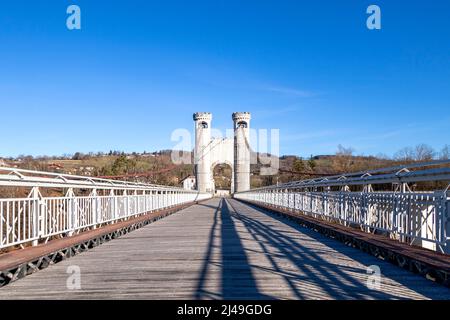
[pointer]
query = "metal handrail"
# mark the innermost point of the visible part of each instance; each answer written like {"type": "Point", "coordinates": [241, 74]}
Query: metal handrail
{"type": "Point", "coordinates": [397, 174]}
{"type": "Point", "coordinates": [15, 177]}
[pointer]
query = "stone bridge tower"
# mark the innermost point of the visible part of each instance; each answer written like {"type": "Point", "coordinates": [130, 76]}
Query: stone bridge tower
{"type": "Point", "coordinates": [241, 151]}
{"type": "Point", "coordinates": [209, 152]}
{"type": "Point", "coordinates": [202, 154]}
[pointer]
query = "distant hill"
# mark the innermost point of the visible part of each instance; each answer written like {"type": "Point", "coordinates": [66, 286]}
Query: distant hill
{"type": "Point", "coordinates": [157, 167]}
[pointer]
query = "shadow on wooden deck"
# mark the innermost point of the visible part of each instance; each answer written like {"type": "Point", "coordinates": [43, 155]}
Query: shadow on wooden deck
{"type": "Point", "coordinates": [236, 271]}
{"type": "Point", "coordinates": [336, 281]}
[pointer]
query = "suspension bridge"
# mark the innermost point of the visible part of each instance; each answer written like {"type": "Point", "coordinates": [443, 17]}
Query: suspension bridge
{"type": "Point", "coordinates": [312, 239]}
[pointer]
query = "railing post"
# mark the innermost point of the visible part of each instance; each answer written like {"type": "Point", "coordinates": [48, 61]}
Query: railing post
{"type": "Point", "coordinates": [126, 204]}
{"type": "Point", "coordinates": [286, 196]}
{"type": "Point", "coordinates": [364, 212]}
{"type": "Point", "coordinates": [279, 198]}
{"type": "Point", "coordinates": [115, 212]}
{"type": "Point", "coordinates": [292, 197]}
{"type": "Point", "coordinates": [71, 211]}
{"type": "Point", "coordinates": [36, 215]}
{"type": "Point", "coordinates": [95, 208]}
{"type": "Point", "coordinates": [150, 204]}
{"type": "Point", "coordinates": [295, 191]}
{"type": "Point", "coordinates": [152, 200]}
{"type": "Point", "coordinates": [136, 204]}
{"type": "Point", "coordinates": [146, 205]}
{"type": "Point", "coordinates": [302, 200]}
{"type": "Point", "coordinates": [324, 204]}
{"type": "Point", "coordinates": [166, 199]}
{"type": "Point", "coordinates": [275, 198]}
{"type": "Point", "coordinates": [345, 191]}
{"type": "Point", "coordinates": [395, 219]}
{"type": "Point", "coordinates": [159, 200]}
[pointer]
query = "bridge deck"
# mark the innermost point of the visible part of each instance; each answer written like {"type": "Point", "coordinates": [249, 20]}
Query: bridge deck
{"type": "Point", "coordinates": [223, 249]}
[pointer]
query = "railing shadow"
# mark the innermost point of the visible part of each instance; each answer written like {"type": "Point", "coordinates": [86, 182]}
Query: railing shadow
{"type": "Point", "coordinates": [329, 277]}
{"type": "Point", "coordinates": [201, 292]}
{"type": "Point", "coordinates": [238, 281]}
{"type": "Point", "coordinates": [236, 277]}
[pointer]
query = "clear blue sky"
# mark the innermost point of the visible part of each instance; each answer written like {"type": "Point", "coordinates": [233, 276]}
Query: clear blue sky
{"type": "Point", "coordinates": [138, 70]}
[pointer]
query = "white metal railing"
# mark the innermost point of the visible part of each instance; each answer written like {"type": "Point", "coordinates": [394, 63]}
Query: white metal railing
{"type": "Point", "coordinates": [417, 218]}
{"type": "Point", "coordinates": [36, 218]}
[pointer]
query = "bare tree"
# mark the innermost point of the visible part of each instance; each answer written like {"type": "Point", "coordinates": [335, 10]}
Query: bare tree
{"type": "Point", "coordinates": [382, 156]}
{"type": "Point", "coordinates": [405, 154]}
{"type": "Point", "coordinates": [445, 153]}
{"type": "Point", "coordinates": [424, 152]}
{"type": "Point", "coordinates": [343, 160]}
{"type": "Point", "coordinates": [421, 152]}
{"type": "Point", "coordinates": [343, 151]}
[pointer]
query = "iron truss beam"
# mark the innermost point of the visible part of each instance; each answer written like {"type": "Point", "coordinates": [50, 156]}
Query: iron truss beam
{"type": "Point", "coordinates": [391, 175]}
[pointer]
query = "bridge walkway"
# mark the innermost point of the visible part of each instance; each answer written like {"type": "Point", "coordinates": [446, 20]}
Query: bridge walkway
{"type": "Point", "coordinates": [223, 249]}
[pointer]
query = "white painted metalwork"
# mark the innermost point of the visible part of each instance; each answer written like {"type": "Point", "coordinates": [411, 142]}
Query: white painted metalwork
{"type": "Point", "coordinates": [36, 218]}
{"type": "Point", "coordinates": [417, 218]}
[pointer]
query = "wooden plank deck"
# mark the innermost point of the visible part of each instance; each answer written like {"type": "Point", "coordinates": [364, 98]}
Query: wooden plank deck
{"type": "Point", "coordinates": [223, 249]}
